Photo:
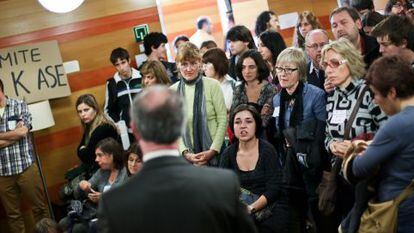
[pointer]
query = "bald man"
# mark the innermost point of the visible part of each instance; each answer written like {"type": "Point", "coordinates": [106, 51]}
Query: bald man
{"type": "Point", "coordinates": [314, 42]}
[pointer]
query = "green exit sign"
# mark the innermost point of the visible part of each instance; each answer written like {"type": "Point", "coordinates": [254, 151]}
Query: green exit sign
{"type": "Point", "coordinates": [140, 32]}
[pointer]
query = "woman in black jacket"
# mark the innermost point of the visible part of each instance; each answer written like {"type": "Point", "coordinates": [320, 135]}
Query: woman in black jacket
{"type": "Point", "coordinates": [96, 126]}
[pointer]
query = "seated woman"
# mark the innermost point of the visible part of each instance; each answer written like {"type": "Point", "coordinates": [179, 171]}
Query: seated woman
{"type": "Point", "coordinates": [257, 164]}
{"type": "Point", "coordinates": [133, 160]}
{"type": "Point", "coordinates": [96, 126]}
{"type": "Point", "coordinates": [206, 112]}
{"type": "Point", "coordinates": [255, 88]}
{"type": "Point", "coordinates": [111, 173]}
{"type": "Point", "coordinates": [390, 156]}
{"type": "Point", "coordinates": [153, 72]}
{"type": "Point", "coordinates": [300, 108]}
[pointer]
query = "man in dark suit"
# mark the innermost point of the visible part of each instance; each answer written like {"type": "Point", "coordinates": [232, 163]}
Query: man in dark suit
{"type": "Point", "coordinates": [169, 194]}
{"type": "Point", "coordinates": [314, 42]}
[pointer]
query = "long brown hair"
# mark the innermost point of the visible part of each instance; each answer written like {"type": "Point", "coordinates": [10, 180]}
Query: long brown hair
{"type": "Point", "coordinates": [298, 39]}
{"type": "Point", "coordinates": [100, 117]}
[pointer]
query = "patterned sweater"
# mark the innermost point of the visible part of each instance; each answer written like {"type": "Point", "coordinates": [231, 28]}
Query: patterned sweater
{"type": "Point", "coordinates": [339, 108]}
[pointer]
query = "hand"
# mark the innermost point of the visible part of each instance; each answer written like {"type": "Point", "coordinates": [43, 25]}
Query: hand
{"type": "Point", "coordinates": [203, 157]}
{"type": "Point", "coordinates": [250, 209]}
{"type": "Point", "coordinates": [85, 186]}
{"type": "Point", "coordinates": [328, 86]}
{"type": "Point", "coordinates": [21, 129]}
{"type": "Point", "coordinates": [94, 196]}
{"type": "Point", "coordinates": [189, 156]}
{"type": "Point", "coordinates": [19, 124]}
{"type": "Point", "coordinates": [266, 110]}
{"type": "Point", "coordinates": [340, 148]}
{"type": "Point", "coordinates": [360, 146]}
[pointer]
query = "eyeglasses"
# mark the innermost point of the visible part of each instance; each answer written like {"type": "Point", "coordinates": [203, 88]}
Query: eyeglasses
{"type": "Point", "coordinates": [286, 70]}
{"type": "Point", "coordinates": [192, 65]}
{"type": "Point", "coordinates": [333, 63]}
{"type": "Point", "coordinates": [316, 45]}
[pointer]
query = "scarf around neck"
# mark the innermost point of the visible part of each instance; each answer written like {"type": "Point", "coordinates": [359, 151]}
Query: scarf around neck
{"type": "Point", "coordinates": [201, 134]}
{"type": "Point", "coordinates": [296, 98]}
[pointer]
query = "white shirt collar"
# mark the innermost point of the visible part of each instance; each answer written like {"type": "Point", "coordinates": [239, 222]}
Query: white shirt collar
{"type": "Point", "coordinates": [160, 153]}
{"type": "Point", "coordinates": [311, 67]}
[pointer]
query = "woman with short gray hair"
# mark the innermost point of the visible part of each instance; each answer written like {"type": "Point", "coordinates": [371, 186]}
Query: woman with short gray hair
{"type": "Point", "coordinates": [299, 107]}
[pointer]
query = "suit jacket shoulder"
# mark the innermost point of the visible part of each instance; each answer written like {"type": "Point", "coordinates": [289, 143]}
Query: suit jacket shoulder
{"type": "Point", "coordinates": [170, 195]}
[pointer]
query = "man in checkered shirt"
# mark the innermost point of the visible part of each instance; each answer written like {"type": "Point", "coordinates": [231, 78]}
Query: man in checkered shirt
{"type": "Point", "coordinates": [19, 174]}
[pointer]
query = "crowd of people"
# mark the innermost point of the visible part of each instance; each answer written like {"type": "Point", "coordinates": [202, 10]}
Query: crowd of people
{"type": "Point", "coordinates": [267, 139]}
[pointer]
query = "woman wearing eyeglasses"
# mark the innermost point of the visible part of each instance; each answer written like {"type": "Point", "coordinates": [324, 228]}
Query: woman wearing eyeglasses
{"type": "Point", "coordinates": [254, 88]}
{"type": "Point", "coordinates": [203, 137]}
{"type": "Point", "coordinates": [300, 114]}
{"type": "Point", "coordinates": [344, 68]}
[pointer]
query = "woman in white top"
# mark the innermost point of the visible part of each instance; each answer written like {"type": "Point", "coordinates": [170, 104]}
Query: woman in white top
{"type": "Point", "coordinates": [216, 66]}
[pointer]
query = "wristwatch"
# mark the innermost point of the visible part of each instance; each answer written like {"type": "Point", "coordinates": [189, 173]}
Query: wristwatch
{"type": "Point", "coordinates": [252, 210]}
{"type": "Point", "coordinates": [185, 152]}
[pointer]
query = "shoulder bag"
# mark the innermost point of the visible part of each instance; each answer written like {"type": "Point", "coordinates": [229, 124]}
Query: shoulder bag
{"type": "Point", "coordinates": [327, 189]}
{"type": "Point", "coordinates": [382, 217]}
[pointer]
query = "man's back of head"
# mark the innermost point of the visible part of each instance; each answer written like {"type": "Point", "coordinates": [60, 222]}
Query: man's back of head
{"type": "Point", "coordinates": [154, 40]}
{"type": "Point", "coordinates": [204, 23]}
{"type": "Point", "coordinates": [363, 6]}
{"type": "Point", "coordinates": [158, 115]}
{"type": "Point", "coordinates": [167, 187]}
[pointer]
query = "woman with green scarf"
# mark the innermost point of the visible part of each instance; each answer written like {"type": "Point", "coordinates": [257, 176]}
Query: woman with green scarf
{"type": "Point", "coordinates": [203, 137]}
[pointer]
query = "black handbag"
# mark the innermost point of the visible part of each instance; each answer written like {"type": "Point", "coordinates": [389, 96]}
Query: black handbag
{"type": "Point", "coordinates": [248, 198]}
{"type": "Point", "coordinates": [82, 210]}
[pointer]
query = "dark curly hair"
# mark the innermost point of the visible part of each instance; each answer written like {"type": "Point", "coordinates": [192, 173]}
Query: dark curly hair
{"type": "Point", "coordinates": [154, 39]}
{"type": "Point", "coordinates": [261, 21]}
{"type": "Point", "coordinates": [262, 69]}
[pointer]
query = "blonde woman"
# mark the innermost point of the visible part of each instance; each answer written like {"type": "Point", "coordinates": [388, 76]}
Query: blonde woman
{"type": "Point", "coordinates": [344, 68]}
{"type": "Point", "coordinates": [96, 126]}
{"type": "Point", "coordinates": [154, 72]}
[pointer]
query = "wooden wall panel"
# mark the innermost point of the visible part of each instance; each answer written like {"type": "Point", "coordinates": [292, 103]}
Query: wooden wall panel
{"type": "Point", "coordinates": [246, 11]}
{"type": "Point", "coordinates": [19, 16]}
{"type": "Point", "coordinates": [380, 4]}
{"type": "Point", "coordinates": [88, 35]}
{"type": "Point", "coordinates": [321, 8]}
{"type": "Point", "coordinates": [180, 17]}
